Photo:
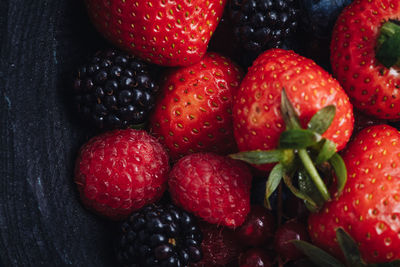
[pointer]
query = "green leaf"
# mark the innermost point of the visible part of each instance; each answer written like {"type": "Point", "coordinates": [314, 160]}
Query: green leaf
{"type": "Point", "coordinates": [328, 149]}
{"type": "Point", "coordinates": [321, 120]}
{"type": "Point", "coordinates": [259, 156]}
{"type": "Point", "coordinates": [313, 173]}
{"type": "Point", "coordinates": [317, 255]}
{"type": "Point", "coordinates": [339, 167]}
{"type": "Point", "coordinates": [388, 52]}
{"type": "Point", "coordinates": [288, 158]}
{"type": "Point", "coordinates": [288, 112]}
{"type": "Point", "coordinates": [273, 181]}
{"type": "Point", "coordinates": [311, 203]}
{"type": "Point", "coordinates": [298, 138]}
{"type": "Point", "coordinates": [349, 248]}
{"type": "Point", "coordinates": [307, 187]}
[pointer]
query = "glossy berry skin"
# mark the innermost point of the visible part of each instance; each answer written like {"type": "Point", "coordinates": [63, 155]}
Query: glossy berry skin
{"type": "Point", "coordinates": [120, 171]}
{"type": "Point", "coordinates": [372, 87]}
{"type": "Point", "coordinates": [258, 227]}
{"type": "Point", "coordinates": [170, 33]}
{"type": "Point", "coordinates": [290, 230]}
{"type": "Point", "coordinates": [114, 90]}
{"type": "Point", "coordinates": [213, 187]}
{"type": "Point", "coordinates": [194, 111]}
{"type": "Point", "coordinates": [219, 246]}
{"type": "Point", "coordinates": [256, 112]}
{"type": "Point", "coordinates": [368, 208]}
{"type": "Point", "coordinates": [255, 257]}
{"type": "Point", "coordinates": [319, 16]}
{"type": "Point", "coordinates": [159, 235]}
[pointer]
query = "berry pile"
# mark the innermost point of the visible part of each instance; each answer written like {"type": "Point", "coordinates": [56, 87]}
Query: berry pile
{"type": "Point", "coordinates": [265, 166]}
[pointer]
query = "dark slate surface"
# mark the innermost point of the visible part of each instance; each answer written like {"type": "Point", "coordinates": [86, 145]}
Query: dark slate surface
{"type": "Point", "coordinates": [41, 220]}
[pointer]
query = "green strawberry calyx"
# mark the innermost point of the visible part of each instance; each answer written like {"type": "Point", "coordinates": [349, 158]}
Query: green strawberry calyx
{"type": "Point", "coordinates": [349, 249]}
{"type": "Point", "coordinates": [301, 157]}
{"type": "Point", "coordinates": [388, 46]}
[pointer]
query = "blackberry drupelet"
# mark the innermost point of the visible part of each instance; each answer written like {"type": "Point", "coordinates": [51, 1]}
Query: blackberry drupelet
{"type": "Point", "coordinates": [114, 90]}
{"type": "Point", "coordinates": [159, 235]}
{"type": "Point", "coordinates": [262, 24]}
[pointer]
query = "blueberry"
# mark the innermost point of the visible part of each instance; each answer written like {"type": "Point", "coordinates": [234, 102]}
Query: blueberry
{"type": "Point", "coordinates": [319, 16]}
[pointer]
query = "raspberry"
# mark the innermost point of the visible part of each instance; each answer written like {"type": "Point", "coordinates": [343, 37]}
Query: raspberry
{"type": "Point", "coordinates": [121, 171]}
{"type": "Point", "coordinates": [213, 187]}
{"type": "Point", "coordinates": [219, 246]}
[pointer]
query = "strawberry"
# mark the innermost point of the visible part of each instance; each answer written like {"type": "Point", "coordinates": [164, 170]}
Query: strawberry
{"type": "Point", "coordinates": [257, 119]}
{"type": "Point", "coordinates": [194, 112]}
{"type": "Point", "coordinates": [121, 171]}
{"type": "Point", "coordinates": [368, 209]}
{"type": "Point", "coordinates": [213, 187]}
{"type": "Point", "coordinates": [290, 110]}
{"type": "Point", "coordinates": [219, 246]}
{"type": "Point", "coordinates": [365, 53]}
{"type": "Point", "coordinates": [170, 33]}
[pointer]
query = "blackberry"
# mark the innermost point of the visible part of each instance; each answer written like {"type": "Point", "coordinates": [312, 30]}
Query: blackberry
{"type": "Point", "coordinates": [262, 24]}
{"type": "Point", "coordinates": [114, 90]}
{"type": "Point", "coordinates": [159, 235]}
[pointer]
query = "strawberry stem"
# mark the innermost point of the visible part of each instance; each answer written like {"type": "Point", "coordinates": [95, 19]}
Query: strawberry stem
{"type": "Point", "coordinates": [388, 53]}
{"type": "Point", "coordinates": [314, 175]}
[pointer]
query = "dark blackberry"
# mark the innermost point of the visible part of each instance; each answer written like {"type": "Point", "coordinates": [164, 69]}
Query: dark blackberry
{"type": "Point", "coordinates": [159, 235]}
{"type": "Point", "coordinates": [262, 24]}
{"type": "Point", "coordinates": [114, 90]}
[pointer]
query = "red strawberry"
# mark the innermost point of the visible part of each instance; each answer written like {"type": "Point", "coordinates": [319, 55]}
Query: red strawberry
{"type": "Point", "coordinates": [369, 207]}
{"type": "Point", "coordinates": [121, 171]}
{"type": "Point", "coordinates": [289, 111]}
{"type": "Point", "coordinates": [373, 84]}
{"type": "Point", "coordinates": [213, 187]}
{"type": "Point", "coordinates": [219, 246]}
{"type": "Point", "coordinates": [257, 118]}
{"type": "Point", "coordinates": [194, 112]}
{"type": "Point", "coordinates": [170, 33]}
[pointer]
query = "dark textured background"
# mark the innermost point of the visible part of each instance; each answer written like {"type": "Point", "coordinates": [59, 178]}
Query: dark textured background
{"type": "Point", "coordinates": [41, 220]}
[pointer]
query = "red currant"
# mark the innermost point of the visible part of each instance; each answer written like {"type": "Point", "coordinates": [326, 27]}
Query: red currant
{"type": "Point", "coordinates": [258, 227]}
{"type": "Point", "coordinates": [291, 230]}
{"type": "Point", "coordinates": [255, 257]}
